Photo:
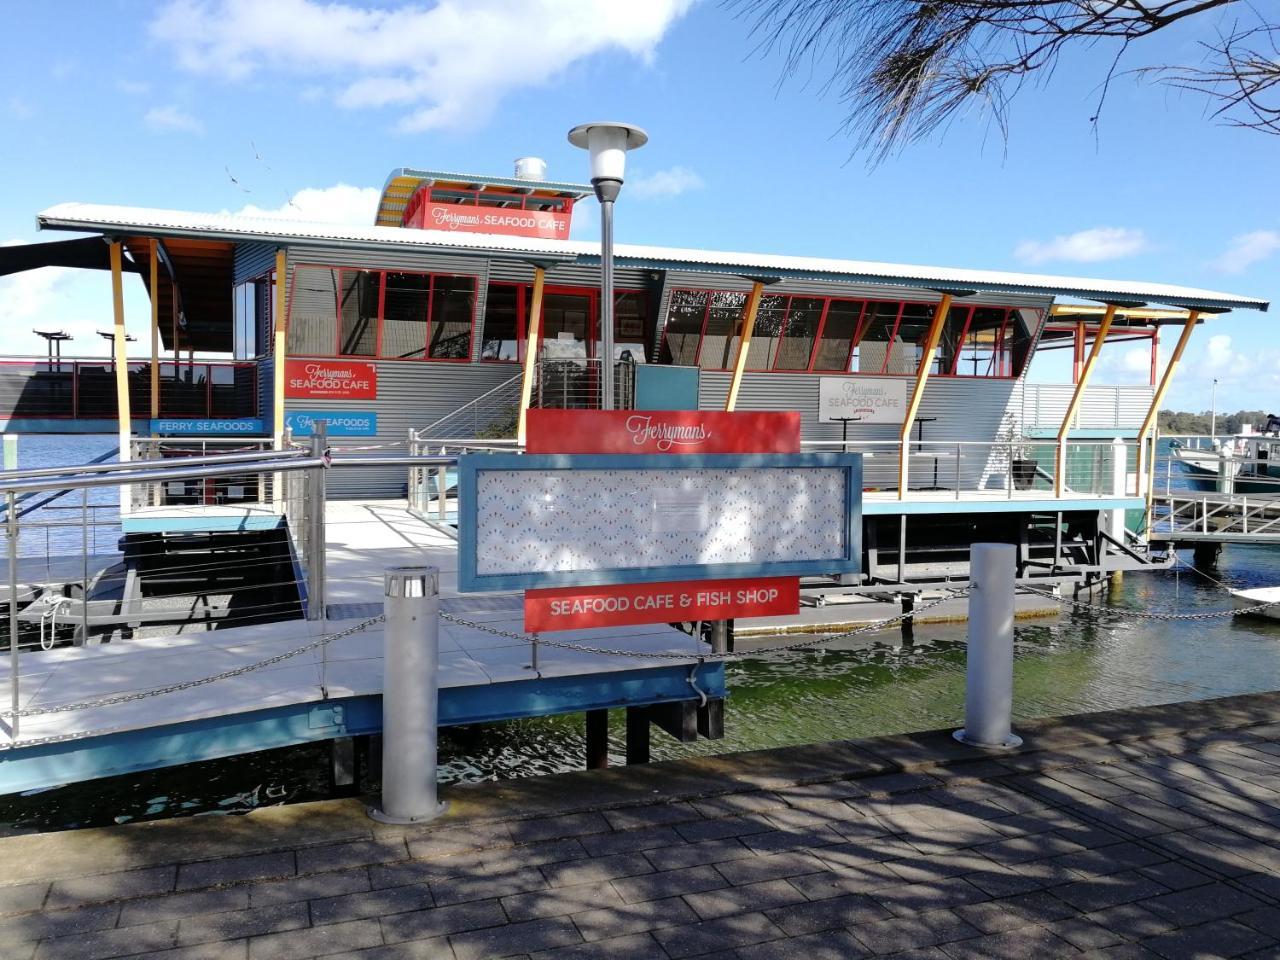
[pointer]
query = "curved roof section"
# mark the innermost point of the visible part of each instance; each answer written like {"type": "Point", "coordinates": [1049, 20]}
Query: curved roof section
{"type": "Point", "coordinates": [404, 182]}
{"type": "Point", "coordinates": [137, 221]}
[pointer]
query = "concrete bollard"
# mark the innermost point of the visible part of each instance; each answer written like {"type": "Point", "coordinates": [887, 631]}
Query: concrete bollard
{"type": "Point", "coordinates": [988, 697]}
{"type": "Point", "coordinates": [410, 696]}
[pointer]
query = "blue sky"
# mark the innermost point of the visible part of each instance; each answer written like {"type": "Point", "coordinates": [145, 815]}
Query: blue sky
{"type": "Point", "coordinates": [309, 105]}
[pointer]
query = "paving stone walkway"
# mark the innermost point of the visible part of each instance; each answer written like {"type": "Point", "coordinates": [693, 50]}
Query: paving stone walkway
{"type": "Point", "coordinates": [1114, 835]}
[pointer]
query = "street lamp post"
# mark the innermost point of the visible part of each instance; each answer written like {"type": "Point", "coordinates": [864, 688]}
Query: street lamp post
{"type": "Point", "coordinates": [608, 143]}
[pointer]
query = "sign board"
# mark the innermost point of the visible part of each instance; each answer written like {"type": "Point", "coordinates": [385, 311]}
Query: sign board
{"type": "Point", "coordinates": [338, 423]}
{"type": "Point", "coordinates": [549, 224]}
{"type": "Point", "coordinates": [862, 399]}
{"type": "Point", "coordinates": [663, 387]}
{"type": "Point", "coordinates": [231, 427]}
{"type": "Point", "coordinates": [560, 520]}
{"type": "Point", "coordinates": [625, 604]}
{"type": "Point", "coordinates": [330, 379]}
{"type": "Point", "coordinates": [661, 431]}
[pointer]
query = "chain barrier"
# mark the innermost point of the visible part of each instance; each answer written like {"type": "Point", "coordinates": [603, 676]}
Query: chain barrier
{"type": "Point", "coordinates": [823, 640]}
{"type": "Point", "coordinates": [1127, 613]}
{"type": "Point", "coordinates": [188, 684]}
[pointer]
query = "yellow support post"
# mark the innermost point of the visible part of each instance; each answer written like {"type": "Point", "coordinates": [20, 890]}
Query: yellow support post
{"type": "Point", "coordinates": [155, 330]}
{"type": "Point", "coordinates": [1146, 469]}
{"type": "Point", "coordinates": [744, 343]}
{"type": "Point", "coordinates": [279, 351]}
{"type": "Point", "coordinates": [120, 357]}
{"type": "Point", "coordinates": [1060, 474]}
{"type": "Point", "coordinates": [531, 338]}
{"type": "Point", "coordinates": [917, 394]}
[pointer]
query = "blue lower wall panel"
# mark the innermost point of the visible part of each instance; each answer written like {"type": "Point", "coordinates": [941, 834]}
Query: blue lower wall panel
{"type": "Point", "coordinates": [74, 761]}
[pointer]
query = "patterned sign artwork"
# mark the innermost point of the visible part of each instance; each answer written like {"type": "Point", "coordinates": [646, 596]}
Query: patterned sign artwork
{"type": "Point", "coordinates": [555, 520]}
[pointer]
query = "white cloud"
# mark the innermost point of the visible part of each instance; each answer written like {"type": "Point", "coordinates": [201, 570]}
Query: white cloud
{"type": "Point", "coordinates": [445, 65]}
{"type": "Point", "coordinates": [340, 203]}
{"type": "Point", "coordinates": [171, 118]}
{"type": "Point", "coordinates": [665, 184]}
{"type": "Point", "coordinates": [1248, 249]}
{"type": "Point", "coordinates": [1084, 246]}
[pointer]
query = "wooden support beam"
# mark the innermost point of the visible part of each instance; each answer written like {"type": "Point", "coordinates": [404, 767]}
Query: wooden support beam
{"type": "Point", "coordinates": [597, 739]}
{"type": "Point", "coordinates": [711, 719]}
{"type": "Point", "coordinates": [1146, 465]}
{"type": "Point", "coordinates": [917, 393]}
{"type": "Point", "coordinates": [119, 348]}
{"type": "Point", "coordinates": [637, 735]}
{"type": "Point", "coordinates": [1060, 474]}
{"type": "Point", "coordinates": [279, 352]}
{"type": "Point", "coordinates": [155, 329]}
{"type": "Point", "coordinates": [678, 720]}
{"type": "Point", "coordinates": [531, 340]}
{"type": "Point", "coordinates": [744, 344]}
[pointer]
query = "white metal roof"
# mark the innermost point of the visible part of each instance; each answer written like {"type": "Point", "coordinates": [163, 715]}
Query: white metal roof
{"type": "Point", "coordinates": [141, 221]}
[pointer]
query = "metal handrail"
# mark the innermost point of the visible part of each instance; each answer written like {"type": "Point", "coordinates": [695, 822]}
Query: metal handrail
{"type": "Point", "coordinates": [170, 473]}
{"type": "Point", "coordinates": [127, 466]}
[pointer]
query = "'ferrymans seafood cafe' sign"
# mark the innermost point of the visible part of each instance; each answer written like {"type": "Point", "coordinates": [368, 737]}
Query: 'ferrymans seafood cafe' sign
{"type": "Point", "coordinates": [662, 431]}
{"type": "Point", "coordinates": [330, 379]}
{"type": "Point", "coordinates": [548, 224]}
{"type": "Point", "coordinates": [862, 399]}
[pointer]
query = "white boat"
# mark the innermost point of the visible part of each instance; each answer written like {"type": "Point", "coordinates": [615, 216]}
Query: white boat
{"type": "Point", "coordinates": [1244, 463]}
{"type": "Point", "coordinates": [1247, 599]}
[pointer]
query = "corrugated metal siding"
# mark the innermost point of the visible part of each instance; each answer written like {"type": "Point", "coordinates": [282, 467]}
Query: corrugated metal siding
{"type": "Point", "coordinates": [410, 394]}
{"type": "Point", "coordinates": [252, 260]}
{"type": "Point", "coordinates": [513, 271]}
{"type": "Point", "coordinates": [975, 410]}
{"type": "Point", "coordinates": [266, 392]}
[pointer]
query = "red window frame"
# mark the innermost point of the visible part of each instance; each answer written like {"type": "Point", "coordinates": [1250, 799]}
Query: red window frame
{"type": "Point", "coordinates": [381, 317]}
{"type": "Point", "coordinates": [523, 291]}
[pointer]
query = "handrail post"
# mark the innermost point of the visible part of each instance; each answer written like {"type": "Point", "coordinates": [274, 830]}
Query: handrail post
{"type": "Point", "coordinates": [410, 696]}
{"type": "Point", "coordinates": [11, 522]}
{"type": "Point", "coordinates": [314, 509]}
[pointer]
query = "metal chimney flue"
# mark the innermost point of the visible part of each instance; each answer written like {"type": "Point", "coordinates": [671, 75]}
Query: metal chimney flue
{"type": "Point", "coordinates": [531, 168]}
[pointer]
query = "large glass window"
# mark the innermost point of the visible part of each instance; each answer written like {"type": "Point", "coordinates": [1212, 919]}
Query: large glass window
{"type": "Point", "coordinates": [503, 328]}
{"type": "Point", "coordinates": [767, 333]}
{"type": "Point", "coordinates": [723, 330]}
{"type": "Point", "coordinates": [629, 307]}
{"type": "Point", "coordinates": [404, 316]}
{"type": "Point", "coordinates": [683, 330]}
{"type": "Point", "coordinates": [798, 335]}
{"type": "Point", "coordinates": [838, 333]}
{"type": "Point", "coordinates": [872, 352]}
{"type": "Point", "coordinates": [359, 313]}
{"type": "Point", "coordinates": [452, 312]}
{"type": "Point", "coordinates": [313, 312]}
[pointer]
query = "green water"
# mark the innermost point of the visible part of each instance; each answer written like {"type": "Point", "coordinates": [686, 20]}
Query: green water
{"type": "Point", "coordinates": [1072, 664]}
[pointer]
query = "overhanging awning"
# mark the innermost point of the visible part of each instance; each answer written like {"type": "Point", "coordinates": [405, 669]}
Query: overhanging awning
{"type": "Point", "coordinates": [88, 253]}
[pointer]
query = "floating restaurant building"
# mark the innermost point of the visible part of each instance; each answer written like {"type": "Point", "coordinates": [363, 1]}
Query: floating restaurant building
{"type": "Point", "coordinates": [466, 303]}
{"type": "Point", "coordinates": [435, 330]}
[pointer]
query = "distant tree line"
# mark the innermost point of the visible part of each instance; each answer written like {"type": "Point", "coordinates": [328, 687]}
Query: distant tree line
{"type": "Point", "coordinates": [1180, 421]}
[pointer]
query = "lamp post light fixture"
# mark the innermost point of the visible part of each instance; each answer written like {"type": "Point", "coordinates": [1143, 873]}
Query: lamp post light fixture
{"type": "Point", "coordinates": [608, 143]}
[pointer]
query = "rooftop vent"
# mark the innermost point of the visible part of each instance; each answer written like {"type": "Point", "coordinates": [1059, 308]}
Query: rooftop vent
{"type": "Point", "coordinates": [531, 168]}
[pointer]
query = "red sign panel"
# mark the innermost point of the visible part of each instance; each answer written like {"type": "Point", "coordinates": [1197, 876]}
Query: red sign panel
{"type": "Point", "coordinates": [549, 224]}
{"type": "Point", "coordinates": [331, 379]}
{"type": "Point", "coordinates": [572, 608]}
{"type": "Point", "coordinates": [662, 431]}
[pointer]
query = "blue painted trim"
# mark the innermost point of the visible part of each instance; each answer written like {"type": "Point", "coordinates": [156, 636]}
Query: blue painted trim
{"type": "Point", "coordinates": [211, 523]}
{"type": "Point", "coordinates": [881, 508]}
{"type": "Point", "coordinates": [212, 738]}
{"type": "Point", "coordinates": [470, 580]}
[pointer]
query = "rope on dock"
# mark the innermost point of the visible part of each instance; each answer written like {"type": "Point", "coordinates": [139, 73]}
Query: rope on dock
{"type": "Point", "coordinates": [821, 641]}
{"type": "Point", "coordinates": [1128, 612]}
{"type": "Point", "coordinates": [185, 684]}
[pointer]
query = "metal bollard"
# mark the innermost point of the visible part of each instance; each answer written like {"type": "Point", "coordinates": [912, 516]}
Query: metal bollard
{"type": "Point", "coordinates": [410, 696]}
{"type": "Point", "coordinates": [988, 696]}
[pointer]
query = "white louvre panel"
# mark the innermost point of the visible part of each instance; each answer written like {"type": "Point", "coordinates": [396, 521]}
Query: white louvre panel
{"type": "Point", "coordinates": [1102, 407]}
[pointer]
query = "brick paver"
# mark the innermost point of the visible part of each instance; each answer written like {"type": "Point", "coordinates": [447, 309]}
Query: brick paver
{"type": "Point", "coordinates": [1112, 846]}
